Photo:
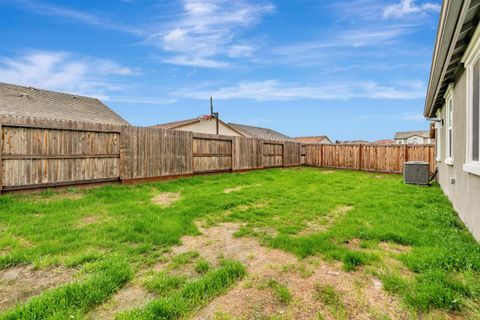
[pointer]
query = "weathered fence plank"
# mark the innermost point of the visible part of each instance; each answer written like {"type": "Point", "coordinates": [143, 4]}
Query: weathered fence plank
{"type": "Point", "coordinates": [247, 153]}
{"type": "Point", "coordinates": [212, 153]}
{"type": "Point", "coordinates": [1, 155]}
{"type": "Point", "coordinates": [376, 158]}
{"type": "Point", "coordinates": [273, 154]}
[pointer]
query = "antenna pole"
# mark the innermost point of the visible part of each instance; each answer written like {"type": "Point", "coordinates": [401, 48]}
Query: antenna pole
{"type": "Point", "coordinates": [211, 106]}
{"type": "Point", "coordinates": [214, 114]}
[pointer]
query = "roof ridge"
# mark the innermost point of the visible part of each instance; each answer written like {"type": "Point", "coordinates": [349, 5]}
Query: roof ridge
{"type": "Point", "coordinates": [49, 91]}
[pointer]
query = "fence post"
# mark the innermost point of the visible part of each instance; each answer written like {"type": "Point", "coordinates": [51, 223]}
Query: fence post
{"type": "Point", "coordinates": [321, 156]}
{"type": "Point", "coordinates": [406, 153]}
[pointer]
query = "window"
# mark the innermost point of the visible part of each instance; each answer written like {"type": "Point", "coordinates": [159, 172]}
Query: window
{"type": "Point", "coordinates": [471, 60]}
{"type": "Point", "coordinates": [449, 126]}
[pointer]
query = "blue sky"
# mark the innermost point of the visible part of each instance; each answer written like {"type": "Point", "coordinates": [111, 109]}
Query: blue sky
{"type": "Point", "coordinates": [353, 69]}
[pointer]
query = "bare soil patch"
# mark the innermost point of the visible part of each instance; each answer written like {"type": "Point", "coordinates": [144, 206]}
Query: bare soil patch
{"type": "Point", "coordinates": [327, 171]}
{"type": "Point", "coordinates": [89, 220]}
{"type": "Point", "coordinates": [236, 189]}
{"type": "Point", "coordinates": [18, 284]}
{"type": "Point", "coordinates": [394, 247]}
{"type": "Point", "coordinates": [323, 223]}
{"type": "Point", "coordinates": [166, 199]}
{"type": "Point", "coordinates": [361, 294]}
{"type": "Point", "coordinates": [57, 195]}
{"type": "Point", "coordinates": [130, 297]}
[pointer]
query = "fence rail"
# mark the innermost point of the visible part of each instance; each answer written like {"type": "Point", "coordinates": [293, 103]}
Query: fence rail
{"type": "Point", "coordinates": [38, 153]}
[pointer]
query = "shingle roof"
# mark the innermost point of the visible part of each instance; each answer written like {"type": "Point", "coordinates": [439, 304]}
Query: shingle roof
{"type": "Point", "coordinates": [260, 133]}
{"type": "Point", "coordinates": [352, 142]}
{"type": "Point", "coordinates": [384, 141]}
{"type": "Point", "coordinates": [30, 102]}
{"type": "Point", "coordinates": [176, 124]}
{"type": "Point", "coordinates": [408, 134]}
{"type": "Point", "coordinates": [312, 139]}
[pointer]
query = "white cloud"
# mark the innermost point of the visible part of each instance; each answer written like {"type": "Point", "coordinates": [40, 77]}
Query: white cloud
{"type": "Point", "coordinates": [408, 7]}
{"type": "Point", "coordinates": [206, 31]}
{"type": "Point", "coordinates": [273, 90]}
{"type": "Point", "coordinates": [66, 72]}
{"type": "Point", "coordinates": [48, 9]}
{"type": "Point", "coordinates": [195, 62]}
{"type": "Point", "coordinates": [240, 50]}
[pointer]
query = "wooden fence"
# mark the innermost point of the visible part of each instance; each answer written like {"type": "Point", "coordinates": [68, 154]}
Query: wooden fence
{"type": "Point", "coordinates": [377, 158]}
{"type": "Point", "coordinates": [36, 153]}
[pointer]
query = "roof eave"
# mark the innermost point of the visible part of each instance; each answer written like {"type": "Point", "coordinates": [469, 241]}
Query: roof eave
{"type": "Point", "coordinates": [452, 11]}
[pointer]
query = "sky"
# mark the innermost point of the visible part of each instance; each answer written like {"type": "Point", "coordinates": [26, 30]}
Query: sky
{"type": "Point", "coordinates": [350, 69]}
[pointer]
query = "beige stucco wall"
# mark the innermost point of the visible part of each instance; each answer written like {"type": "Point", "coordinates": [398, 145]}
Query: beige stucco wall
{"type": "Point", "coordinates": [465, 193]}
{"type": "Point", "coordinates": [210, 127]}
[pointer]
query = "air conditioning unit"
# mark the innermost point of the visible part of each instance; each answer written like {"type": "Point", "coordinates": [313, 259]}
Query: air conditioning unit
{"type": "Point", "coordinates": [416, 172]}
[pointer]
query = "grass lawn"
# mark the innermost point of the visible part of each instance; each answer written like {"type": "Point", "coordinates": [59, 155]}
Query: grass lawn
{"type": "Point", "coordinates": [367, 226]}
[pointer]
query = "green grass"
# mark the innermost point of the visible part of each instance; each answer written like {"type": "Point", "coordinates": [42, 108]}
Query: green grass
{"type": "Point", "coordinates": [66, 301]}
{"type": "Point", "coordinates": [193, 294]}
{"type": "Point", "coordinates": [331, 300]}
{"type": "Point", "coordinates": [50, 229]}
{"type": "Point", "coordinates": [280, 290]}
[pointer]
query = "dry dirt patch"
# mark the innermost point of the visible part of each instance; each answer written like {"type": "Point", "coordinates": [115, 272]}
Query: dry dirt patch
{"type": "Point", "coordinates": [89, 220]}
{"type": "Point", "coordinates": [166, 199]}
{"type": "Point", "coordinates": [362, 294]}
{"type": "Point", "coordinates": [18, 284]}
{"type": "Point", "coordinates": [230, 190]}
{"type": "Point", "coordinates": [323, 223]}
{"type": "Point", "coordinates": [130, 297]}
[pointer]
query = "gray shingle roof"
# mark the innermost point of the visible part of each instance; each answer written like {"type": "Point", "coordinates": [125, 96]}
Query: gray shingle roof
{"type": "Point", "coordinates": [261, 133]}
{"type": "Point", "coordinates": [30, 102]}
{"type": "Point", "coordinates": [408, 134]}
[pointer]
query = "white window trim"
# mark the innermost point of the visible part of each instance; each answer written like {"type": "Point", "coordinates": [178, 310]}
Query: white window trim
{"type": "Point", "coordinates": [471, 56]}
{"type": "Point", "coordinates": [438, 136]}
{"type": "Point", "coordinates": [449, 125]}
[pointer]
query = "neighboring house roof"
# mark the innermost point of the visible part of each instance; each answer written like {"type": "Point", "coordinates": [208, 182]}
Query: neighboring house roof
{"type": "Point", "coordinates": [31, 102]}
{"type": "Point", "coordinates": [313, 139]}
{"type": "Point", "coordinates": [183, 123]}
{"type": "Point", "coordinates": [458, 21]}
{"type": "Point", "coordinates": [178, 124]}
{"type": "Point", "coordinates": [408, 134]}
{"type": "Point", "coordinates": [261, 133]}
{"type": "Point", "coordinates": [384, 141]}
{"type": "Point", "coordinates": [352, 142]}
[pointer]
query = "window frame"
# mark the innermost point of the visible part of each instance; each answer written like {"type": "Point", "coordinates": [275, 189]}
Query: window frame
{"type": "Point", "coordinates": [449, 122]}
{"type": "Point", "coordinates": [470, 58]}
{"type": "Point", "coordinates": [438, 137]}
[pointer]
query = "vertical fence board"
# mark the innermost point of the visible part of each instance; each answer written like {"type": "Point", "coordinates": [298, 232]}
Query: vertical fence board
{"type": "Point", "coordinates": [389, 159]}
{"type": "Point", "coordinates": [1, 162]}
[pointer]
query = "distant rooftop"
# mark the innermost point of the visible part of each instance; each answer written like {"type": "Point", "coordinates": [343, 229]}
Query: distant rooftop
{"type": "Point", "coordinates": [37, 103]}
{"type": "Point", "coordinates": [313, 139]}
{"type": "Point", "coordinates": [408, 134]}
{"type": "Point", "coordinates": [261, 133]}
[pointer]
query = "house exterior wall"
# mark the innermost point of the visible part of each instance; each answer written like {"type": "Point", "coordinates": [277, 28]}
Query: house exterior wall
{"type": "Point", "coordinates": [464, 190]}
{"type": "Point", "coordinates": [414, 140]}
{"type": "Point", "coordinates": [210, 126]}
